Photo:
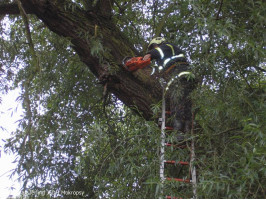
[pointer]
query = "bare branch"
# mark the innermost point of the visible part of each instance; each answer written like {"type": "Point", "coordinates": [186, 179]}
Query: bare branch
{"type": "Point", "coordinates": [220, 8]}
{"type": "Point", "coordinates": [28, 34]}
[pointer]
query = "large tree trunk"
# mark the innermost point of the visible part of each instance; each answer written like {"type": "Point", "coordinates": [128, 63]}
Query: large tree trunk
{"type": "Point", "coordinates": [138, 90]}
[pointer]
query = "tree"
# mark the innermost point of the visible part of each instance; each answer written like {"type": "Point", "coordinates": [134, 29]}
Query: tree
{"type": "Point", "coordinates": [58, 52]}
{"type": "Point", "coordinates": [99, 43]}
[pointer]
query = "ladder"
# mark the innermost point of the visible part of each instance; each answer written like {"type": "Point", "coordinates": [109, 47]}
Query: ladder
{"type": "Point", "coordinates": [163, 161]}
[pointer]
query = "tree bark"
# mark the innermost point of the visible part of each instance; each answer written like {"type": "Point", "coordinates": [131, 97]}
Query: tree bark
{"type": "Point", "coordinates": [137, 90]}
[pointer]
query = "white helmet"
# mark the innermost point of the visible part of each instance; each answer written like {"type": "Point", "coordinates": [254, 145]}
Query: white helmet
{"type": "Point", "coordinates": [157, 40]}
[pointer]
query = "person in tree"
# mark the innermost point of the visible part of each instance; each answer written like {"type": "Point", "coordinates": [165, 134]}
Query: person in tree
{"type": "Point", "coordinates": [176, 73]}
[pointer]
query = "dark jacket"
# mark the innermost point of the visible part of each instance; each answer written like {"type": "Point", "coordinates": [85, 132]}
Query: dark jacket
{"type": "Point", "coordinates": [166, 55]}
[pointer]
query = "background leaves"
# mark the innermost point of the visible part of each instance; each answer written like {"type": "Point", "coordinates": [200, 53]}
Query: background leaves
{"type": "Point", "coordinates": [71, 137]}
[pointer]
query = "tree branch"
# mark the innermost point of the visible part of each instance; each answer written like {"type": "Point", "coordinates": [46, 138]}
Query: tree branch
{"type": "Point", "coordinates": [228, 130]}
{"type": "Point", "coordinates": [162, 23]}
{"type": "Point", "coordinates": [11, 9]}
{"type": "Point", "coordinates": [220, 8]}
{"type": "Point", "coordinates": [79, 27]}
{"type": "Point", "coordinates": [28, 35]}
{"type": "Point", "coordinates": [105, 7]}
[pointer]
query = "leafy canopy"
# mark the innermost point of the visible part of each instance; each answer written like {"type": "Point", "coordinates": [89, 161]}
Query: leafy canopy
{"type": "Point", "coordinates": [72, 137]}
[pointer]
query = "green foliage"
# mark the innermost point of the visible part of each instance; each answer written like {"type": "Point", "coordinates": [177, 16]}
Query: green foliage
{"type": "Point", "coordinates": [232, 127]}
{"type": "Point", "coordinates": [71, 138]}
{"type": "Point", "coordinates": [97, 47]}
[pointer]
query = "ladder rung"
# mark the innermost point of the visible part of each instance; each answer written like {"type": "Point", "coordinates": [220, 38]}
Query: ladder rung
{"type": "Point", "coordinates": [170, 197]}
{"type": "Point", "coordinates": [175, 162]}
{"type": "Point", "coordinates": [169, 128]}
{"type": "Point", "coordinates": [179, 180]}
{"type": "Point", "coordinates": [168, 112]}
{"type": "Point", "coordinates": [174, 145]}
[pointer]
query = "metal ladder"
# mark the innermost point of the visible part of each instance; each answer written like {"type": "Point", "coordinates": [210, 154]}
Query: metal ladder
{"type": "Point", "coordinates": [192, 170]}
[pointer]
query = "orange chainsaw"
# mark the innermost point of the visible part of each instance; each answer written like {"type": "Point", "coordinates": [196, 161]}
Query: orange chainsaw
{"type": "Point", "coordinates": [135, 63]}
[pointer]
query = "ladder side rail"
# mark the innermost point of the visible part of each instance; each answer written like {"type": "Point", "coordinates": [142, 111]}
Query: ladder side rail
{"type": "Point", "coordinates": [193, 170]}
{"type": "Point", "coordinates": [192, 161]}
{"type": "Point", "coordinates": [162, 147]}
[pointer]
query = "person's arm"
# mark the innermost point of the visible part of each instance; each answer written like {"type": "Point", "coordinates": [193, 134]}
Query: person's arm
{"type": "Point", "coordinates": [147, 57]}
{"type": "Point", "coordinates": [153, 54]}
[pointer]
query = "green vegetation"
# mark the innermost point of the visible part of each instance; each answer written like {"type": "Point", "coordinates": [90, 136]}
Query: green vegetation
{"type": "Point", "coordinates": [72, 137]}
